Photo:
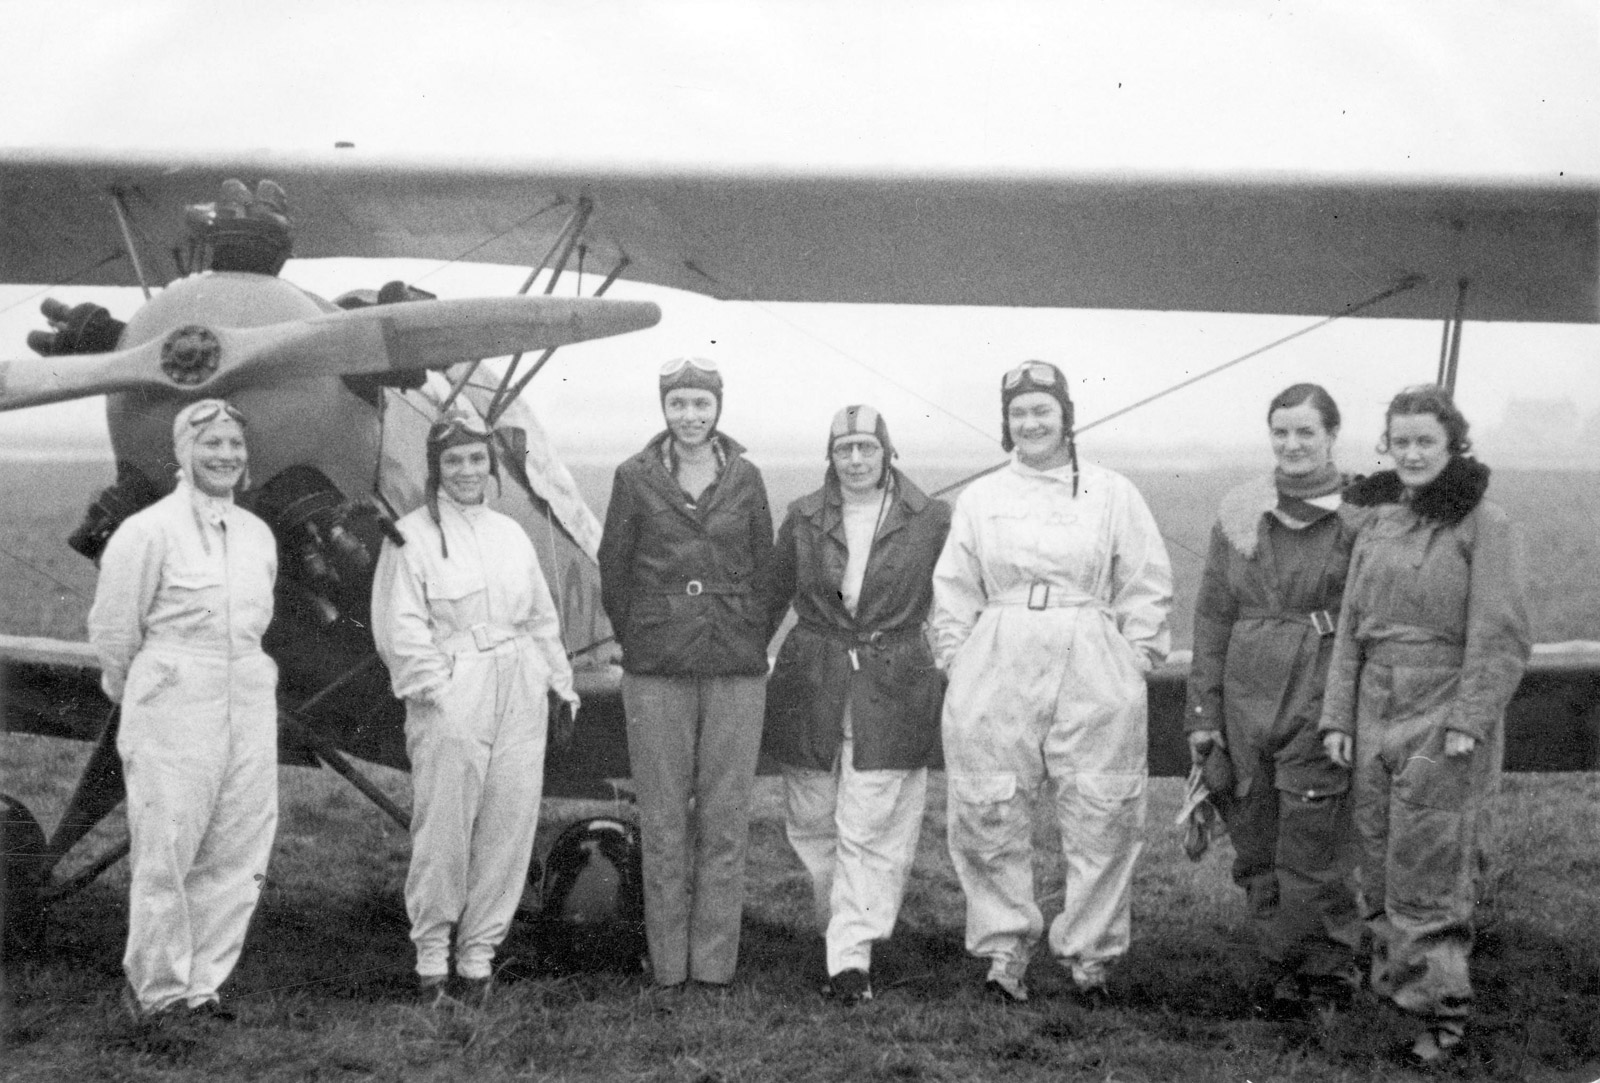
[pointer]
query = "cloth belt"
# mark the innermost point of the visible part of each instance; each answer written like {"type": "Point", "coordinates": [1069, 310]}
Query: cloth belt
{"type": "Point", "coordinates": [697, 586]}
{"type": "Point", "coordinates": [1396, 652]}
{"type": "Point", "coordinates": [1040, 595]}
{"type": "Point", "coordinates": [481, 637]}
{"type": "Point", "coordinates": [883, 637]}
{"type": "Point", "coordinates": [1324, 622]}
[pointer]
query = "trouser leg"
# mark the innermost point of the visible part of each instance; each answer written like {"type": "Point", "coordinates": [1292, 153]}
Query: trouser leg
{"type": "Point", "coordinates": [171, 790]}
{"type": "Point", "coordinates": [1318, 925]}
{"type": "Point", "coordinates": [1102, 833]}
{"type": "Point", "coordinates": [810, 801]}
{"type": "Point", "coordinates": [230, 868]}
{"type": "Point", "coordinates": [1253, 827]}
{"type": "Point", "coordinates": [1369, 805]}
{"type": "Point", "coordinates": [879, 818]}
{"type": "Point", "coordinates": [991, 846]}
{"type": "Point", "coordinates": [730, 740]}
{"type": "Point", "coordinates": [447, 773]}
{"type": "Point", "coordinates": [1435, 813]}
{"type": "Point", "coordinates": [663, 722]}
{"type": "Point", "coordinates": [503, 835]}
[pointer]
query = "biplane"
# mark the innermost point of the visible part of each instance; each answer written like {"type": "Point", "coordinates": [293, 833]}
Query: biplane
{"type": "Point", "coordinates": [339, 394]}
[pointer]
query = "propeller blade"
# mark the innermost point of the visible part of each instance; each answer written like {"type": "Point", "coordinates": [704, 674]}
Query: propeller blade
{"type": "Point", "coordinates": [438, 334]}
{"type": "Point", "coordinates": [386, 338]}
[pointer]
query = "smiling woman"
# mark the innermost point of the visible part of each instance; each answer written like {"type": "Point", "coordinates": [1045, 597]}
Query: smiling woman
{"type": "Point", "coordinates": [185, 594]}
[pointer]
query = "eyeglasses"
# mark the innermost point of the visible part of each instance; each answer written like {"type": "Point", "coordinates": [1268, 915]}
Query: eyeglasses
{"type": "Point", "coordinates": [445, 428]}
{"type": "Point", "coordinates": [678, 364]}
{"type": "Point", "coordinates": [869, 449]}
{"type": "Point", "coordinates": [210, 413]}
{"type": "Point", "coordinates": [1035, 372]}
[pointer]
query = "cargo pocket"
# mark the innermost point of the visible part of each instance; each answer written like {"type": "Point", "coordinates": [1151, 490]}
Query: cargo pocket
{"type": "Point", "coordinates": [1106, 810]}
{"type": "Point", "coordinates": [988, 817]}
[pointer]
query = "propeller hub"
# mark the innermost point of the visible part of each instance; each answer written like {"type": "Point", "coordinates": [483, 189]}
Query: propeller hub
{"type": "Point", "coordinates": [190, 355]}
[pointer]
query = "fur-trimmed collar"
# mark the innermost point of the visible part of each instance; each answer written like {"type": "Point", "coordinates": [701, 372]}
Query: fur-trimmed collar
{"type": "Point", "coordinates": [1447, 499]}
{"type": "Point", "coordinates": [1240, 512]}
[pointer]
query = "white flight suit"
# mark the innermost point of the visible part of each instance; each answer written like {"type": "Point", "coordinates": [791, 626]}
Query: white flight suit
{"type": "Point", "coordinates": [472, 643]}
{"type": "Point", "coordinates": [184, 596]}
{"type": "Point", "coordinates": [1048, 611]}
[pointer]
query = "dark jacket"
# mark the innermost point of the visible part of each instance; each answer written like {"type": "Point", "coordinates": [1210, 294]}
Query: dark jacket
{"type": "Point", "coordinates": [895, 695]}
{"type": "Point", "coordinates": [1259, 660]}
{"type": "Point", "coordinates": [681, 581]}
{"type": "Point", "coordinates": [1444, 572]}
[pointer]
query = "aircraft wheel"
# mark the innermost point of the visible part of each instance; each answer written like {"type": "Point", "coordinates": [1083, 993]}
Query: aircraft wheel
{"type": "Point", "coordinates": [22, 842]}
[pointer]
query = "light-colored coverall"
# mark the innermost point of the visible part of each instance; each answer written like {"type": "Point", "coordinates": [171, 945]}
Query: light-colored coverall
{"type": "Point", "coordinates": [184, 596]}
{"type": "Point", "coordinates": [1052, 690]}
{"type": "Point", "coordinates": [1433, 638]}
{"type": "Point", "coordinates": [473, 644]}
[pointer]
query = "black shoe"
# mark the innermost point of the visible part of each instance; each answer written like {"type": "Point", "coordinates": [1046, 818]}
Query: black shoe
{"type": "Point", "coordinates": [1433, 1048]}
{"type": "Point", "coordinates": [431, 991]}
{"type": "Point", "coordinates": [1005, 992]}
{"type": "Point", "coordinates": [213, 1011]}
{"type": "Point", "coordinates": [475, 992]}
{"type": "Point", "coordinates": [849, 987]}
{"type": "Point", "coordinates": [1093, 996]}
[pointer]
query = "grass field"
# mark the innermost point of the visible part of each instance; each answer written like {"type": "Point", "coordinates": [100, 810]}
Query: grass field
{"type": "Point", "coordinates": [323, 988]}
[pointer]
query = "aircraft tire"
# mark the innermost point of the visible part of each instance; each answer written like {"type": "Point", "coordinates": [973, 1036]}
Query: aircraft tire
{"type": "Point", "coordinates": [22, 911]}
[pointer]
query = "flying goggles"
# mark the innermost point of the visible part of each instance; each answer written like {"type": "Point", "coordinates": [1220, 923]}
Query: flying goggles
{"type": "Point", "coordinates": [206, 415]}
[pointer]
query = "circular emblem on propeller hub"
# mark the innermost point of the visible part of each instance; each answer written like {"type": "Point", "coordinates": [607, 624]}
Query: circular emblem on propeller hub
{"type": "Point", "coordinates": [190, 355]}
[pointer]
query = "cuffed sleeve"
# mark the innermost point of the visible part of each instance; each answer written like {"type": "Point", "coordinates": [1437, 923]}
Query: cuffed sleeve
{"type": "Point", "coordinates": [402, 627]}
{"type": "Point", "coordinates": [1141, 579]}
{"type": "Point", "coordinates": [958, 592]}
{"type": "Point", "coordinates": [1215, 609]}
{"type": "Point", "coordinates": [1498, 640]}
{"type": "Point", "coordinates": [130, 572]}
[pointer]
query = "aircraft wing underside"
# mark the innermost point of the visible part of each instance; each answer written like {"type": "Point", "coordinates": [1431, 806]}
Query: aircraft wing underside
{"type": "Point", "coordinates": [52, 687]}
{"type": "Point", "coordinates": [1256, 244]}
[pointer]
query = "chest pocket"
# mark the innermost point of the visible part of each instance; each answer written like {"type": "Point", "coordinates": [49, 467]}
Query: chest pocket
{"type": "Point", "coordinates": [456, 602]}
{"type": "Point", "coordinates": [193, 595]}
{"type": "Point", "coordinates": [1047, 540]}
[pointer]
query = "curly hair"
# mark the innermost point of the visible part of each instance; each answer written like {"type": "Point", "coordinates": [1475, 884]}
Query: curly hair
{"type": "Point", "coordinates": [1436, 401]}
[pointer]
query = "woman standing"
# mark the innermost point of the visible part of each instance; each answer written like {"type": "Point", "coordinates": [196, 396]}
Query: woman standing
{"type": "Point", "coordinates": [463, 618]}
{"type": "Point", "coordinates": [687, 545]}
{"type": "Point", "coordinates": [184, 596]}
{"type": "Point", "coordinates": [1263, 633]}
{"type": "Point", "coordinates": [1432, 641]}
{"type": "Point", "coordinates": [1050, 605]}
{"type": "Point", "coordinates": [853, 704]}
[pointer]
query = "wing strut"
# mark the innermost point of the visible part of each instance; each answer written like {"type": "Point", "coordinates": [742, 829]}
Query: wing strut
{"type": "Point", "coordinates": [564, 243]}
{"type": "Point", "coordinates": [119, 204]}
{"type": "Point", "coordinates": [1450, 348]}
{"type": "Point", "coordinates": [507, 394]}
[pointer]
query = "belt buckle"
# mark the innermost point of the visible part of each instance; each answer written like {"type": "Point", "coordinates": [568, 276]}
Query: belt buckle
{"type": "Point", "coordinates": [1322, 621]}
{"type": "Point", "coordinates": [695, 588]}
{"type": "Point", "coordinates": [480, 637]}
{"type": "Point", "coordinates": [1038, 595]}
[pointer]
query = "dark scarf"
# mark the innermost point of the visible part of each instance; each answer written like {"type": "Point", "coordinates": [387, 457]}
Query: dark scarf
{"type": "Point", "coordinates": [1447, 499]}
{"type": "Point", "coordinates": [1295, 494]}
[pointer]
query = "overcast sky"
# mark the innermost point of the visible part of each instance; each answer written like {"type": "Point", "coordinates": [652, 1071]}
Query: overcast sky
{"type": "Point", "coordinates": [1416, 90]}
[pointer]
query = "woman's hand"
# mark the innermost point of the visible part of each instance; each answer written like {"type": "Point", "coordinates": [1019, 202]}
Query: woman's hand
{"type": "Point", "coordinates": [1459, 744]}
{"type": "Point", "coordinates": [1340, 748]}
{"type": "Point", "coordinates": [1201, 743]}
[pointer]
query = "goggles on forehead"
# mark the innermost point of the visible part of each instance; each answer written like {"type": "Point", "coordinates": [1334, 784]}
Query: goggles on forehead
{"type": "Point", "coordinates": [445, 428]}
{"type": "Point", "coordinates": [210, 413]}
{"type": "Point", "coordinates": [678, 364]}
{"type": "Point", "coordinates": [1033, 372]}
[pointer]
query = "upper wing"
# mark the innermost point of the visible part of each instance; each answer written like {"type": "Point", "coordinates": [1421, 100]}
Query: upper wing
{"type": "Point", "coordinates": [1256, 244]}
